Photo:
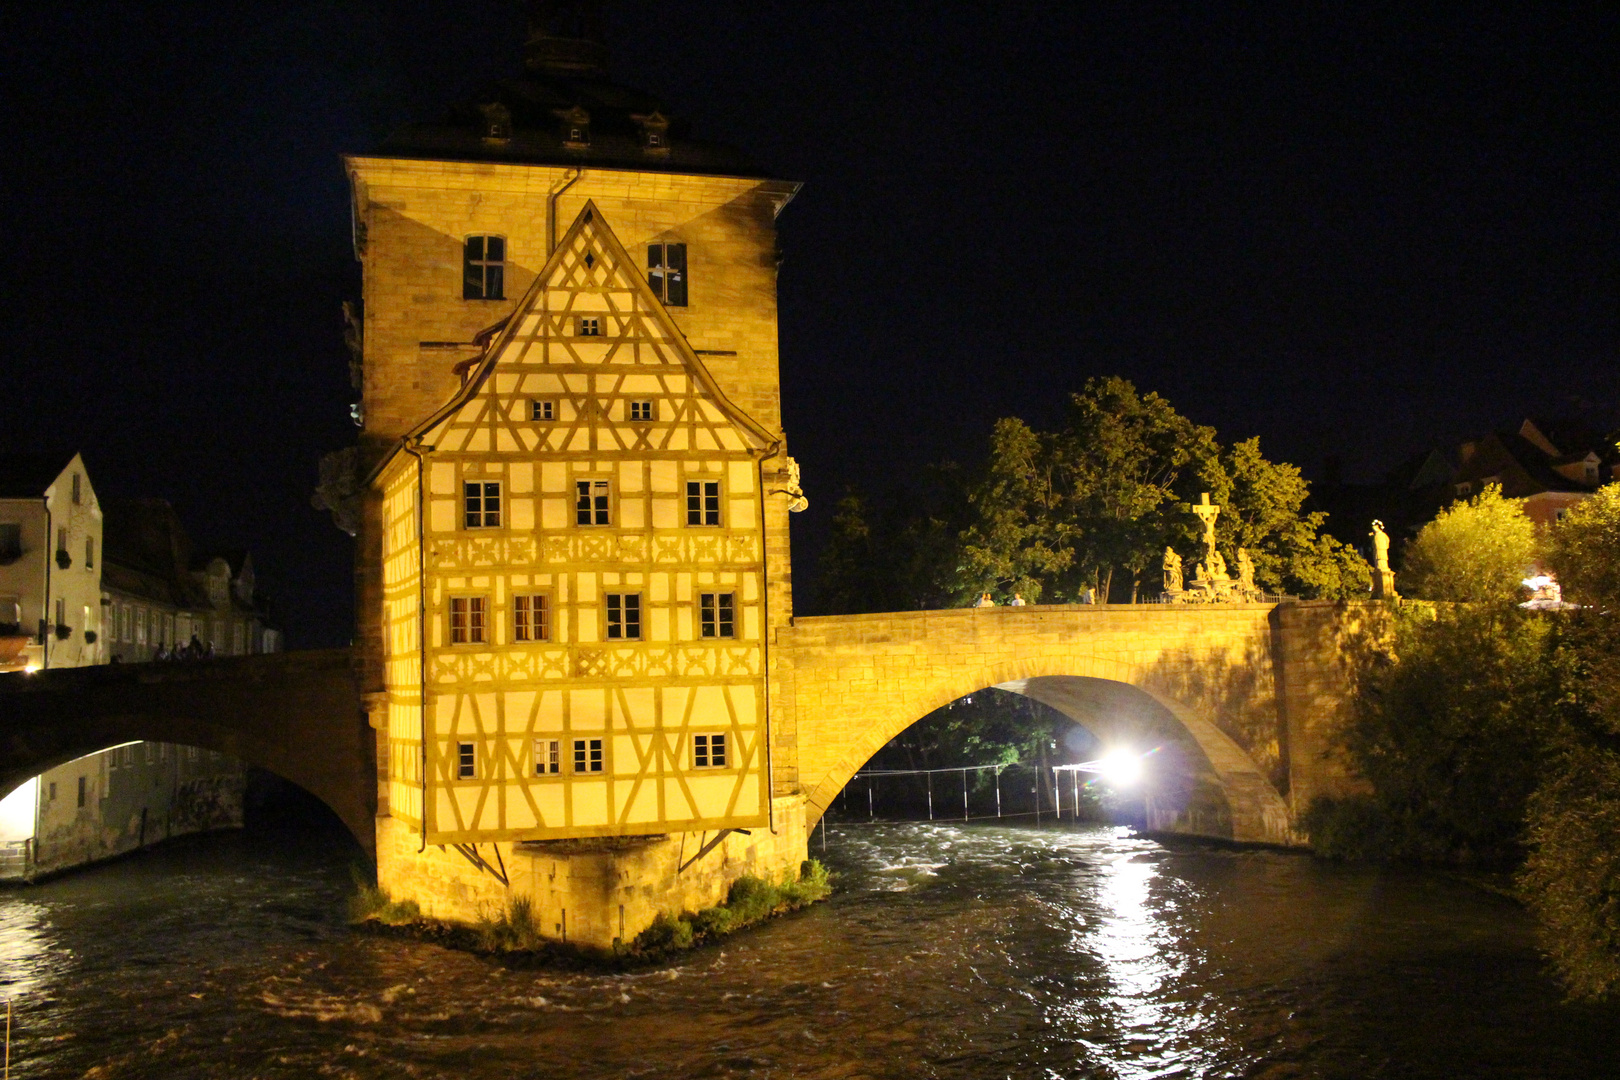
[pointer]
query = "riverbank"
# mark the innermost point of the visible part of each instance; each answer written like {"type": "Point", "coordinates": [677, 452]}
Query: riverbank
{"type": "Point", "coordinates": [514, 935]}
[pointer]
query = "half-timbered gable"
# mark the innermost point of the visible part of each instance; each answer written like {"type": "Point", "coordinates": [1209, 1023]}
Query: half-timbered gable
{"type": "Point", "coordinates": [580, 529]}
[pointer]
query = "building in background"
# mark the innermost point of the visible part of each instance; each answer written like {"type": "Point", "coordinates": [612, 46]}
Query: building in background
{"type": "Point", "coordinates": [159, 593]}
{"type": "Point", "coordinates": [151, 592]}
{"type": "Point", "coordinates": [50, 563]}
{"type": "Point", "coordinates": [1550, 464]}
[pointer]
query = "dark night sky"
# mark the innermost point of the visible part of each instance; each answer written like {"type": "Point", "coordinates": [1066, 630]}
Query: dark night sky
{"type": "Point", "coordinates": [1355, 238]}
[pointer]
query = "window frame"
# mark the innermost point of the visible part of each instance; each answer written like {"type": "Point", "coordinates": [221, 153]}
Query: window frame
{"type": "Point", "coordinates": [586, 751]}
{"type": "Point", "coordinates": [466, 760]}
{"type": "Point", "coordinates": [710, 750]}
{"type": "Point", "coordinates": [647, 407]}
{"type": "Point", "coordinates": [595, 509]}
{"type": "Point", "coordinates": [546, 752]}
{"type": "Point", "coordinates": [717, 615]}
{"type": "Point", "coordinates": [483, 495]}
{"type": "Point", "coordinates": [531, 617]}
{"type": "Point", "coordinates": [491, 272]}
{"type": "Point", "coordinates": [703, 512]}
{"type": "Point", "coordinates": [670, 280]}
{"type": "Point", "coordinates": [588, 326]}
{"type": "Point", "coordinates": [540, 406]}
{"type": "Point", "coordinates": [621, 613]}
{"type": "Point", "coordinates": [471, 604]}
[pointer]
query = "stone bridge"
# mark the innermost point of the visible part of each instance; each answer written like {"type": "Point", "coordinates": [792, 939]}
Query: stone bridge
{"type": "Point", "coordinates": [297, 714]}
{"type": "Point", "coordinates": [1240, 699]}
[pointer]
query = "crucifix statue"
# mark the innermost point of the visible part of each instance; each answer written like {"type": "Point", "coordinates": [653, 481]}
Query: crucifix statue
{"type": "Point", "coordinates": [1207, 514]}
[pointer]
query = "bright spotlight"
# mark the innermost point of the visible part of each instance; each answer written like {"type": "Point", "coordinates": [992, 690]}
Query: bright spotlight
{"type": "Point", "coordinates": [1121, 768]}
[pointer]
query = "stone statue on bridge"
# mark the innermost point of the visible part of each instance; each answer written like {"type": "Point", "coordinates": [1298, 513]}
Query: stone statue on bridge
{"type": "Point", "coordinates": [1383, 578]}
{"type": "Point", "coordinates": [1172, 573]}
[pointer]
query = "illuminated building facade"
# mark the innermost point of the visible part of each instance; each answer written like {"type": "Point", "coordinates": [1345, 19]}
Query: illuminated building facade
{"type": "Point", "coordinates": [573, 540]}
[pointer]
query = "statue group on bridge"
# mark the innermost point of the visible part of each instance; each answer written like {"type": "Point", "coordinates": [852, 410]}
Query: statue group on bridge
{"type": "Point", "coordinates": [1212, 582]}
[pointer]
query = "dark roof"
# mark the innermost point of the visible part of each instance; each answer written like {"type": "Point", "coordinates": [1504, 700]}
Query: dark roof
{"type": "Point", "coordinates": [566, 69]}
{"type": "Point", "coordinates": [537, 135]}
{"type": "Point", "coordinates": [235, 559]}
{"type": "Point", "coordinates": [28, 475]}
{"type": "Point", "coordinates": [1501, 450]}
{"type": "Point", "coordinates": [147, 552]}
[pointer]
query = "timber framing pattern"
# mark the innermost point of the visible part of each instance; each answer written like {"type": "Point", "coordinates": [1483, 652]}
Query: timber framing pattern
{"type": "Point", "coordinates": [574, 594]}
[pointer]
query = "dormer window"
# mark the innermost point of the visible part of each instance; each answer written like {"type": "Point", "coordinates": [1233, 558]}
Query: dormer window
{"type": "Point", "coordinates": [576, 128]}
{"type": "Point", "coordinates": [654, 133]}
{"type": "Point", "coordinates": [497, 122]}
{"type": "Point", "coordinates": [589, 326]}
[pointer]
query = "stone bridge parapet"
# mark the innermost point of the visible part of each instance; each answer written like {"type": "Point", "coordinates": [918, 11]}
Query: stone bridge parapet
{"type": "Point", "coordinates": [297, 714]}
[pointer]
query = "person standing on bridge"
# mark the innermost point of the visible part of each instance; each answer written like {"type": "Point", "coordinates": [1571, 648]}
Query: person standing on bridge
{"type": "Point", "coordinates": [1017, 600]}
{"type": "Point", "coordinates": [984, 601]}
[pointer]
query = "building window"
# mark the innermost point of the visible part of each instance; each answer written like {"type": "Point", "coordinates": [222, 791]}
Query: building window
{"type": "Point", "coordinates": [89, 552]}
{"type": "Point", "coordinates": [587, 755]}
{"type": "Point", "coordinates": [708, 751]}
{"type": "Point", "coordinates": [591, 502]}
{"type": "Point", "coordinates": [666, 273]}
{"type": "Point", "coordinates": [467, 620]}
{"type": "Point", "coordinates": [542, 409]}
{"type": "Point", "coordinates": [140, 626]}
{"type": "Point", "coordinates": [641, 411]}
{"type": "Point", "coordinates": [717, 614]}
{"type": "Point", "coordinates": [61, 612]}
{"type": "Point", "coordinates": [10, 541]}
{"type": "Point", "coordinates": [466, 761]}
{"type": "Point", "coordinates": [483, 504]}
{"type": "Point", "coordinates": [83, 785]}
{"type": "Point", "coordinates": [484, 268]}
{"type": "Point", "coordinates": [529, 619]}
{"type": "Point", "coordinates": [547, 757]}
{"type": "Point", "coordinates": [703, 502]}
{"type": "Point", "coordinates": [624, 616]}
{"type": "Point", "coordinates": [53, 791]}
{"type": "Point", "coordinates": [61, 539]}
{"type": "Point", "coordinates": [76, 494]}
{"type": "Point", "coordinates": [1464, 488]}
{"type": "Point", "coordinates": [588, 326]}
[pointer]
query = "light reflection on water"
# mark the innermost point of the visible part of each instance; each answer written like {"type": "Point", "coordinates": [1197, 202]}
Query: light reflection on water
{"type": "Point", "coordinates": [949, 952]}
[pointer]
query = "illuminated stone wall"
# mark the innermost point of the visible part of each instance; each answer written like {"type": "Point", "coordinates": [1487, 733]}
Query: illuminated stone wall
{"type": "Point", "coordinates": [1247, 695]}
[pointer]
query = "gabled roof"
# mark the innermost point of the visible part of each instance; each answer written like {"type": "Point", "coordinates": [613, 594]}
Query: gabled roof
{"type": "Point", "coordinates": [147, 552]}
{"type": "Point", "coordinates": [1503, 451]}
{"type": "Point", "coordinates": [24, 476]}
{"type": "Point", "coordinates": [590, 218]}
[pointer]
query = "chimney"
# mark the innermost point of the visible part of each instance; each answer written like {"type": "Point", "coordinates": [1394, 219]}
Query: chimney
{"type": "Point", "coordinates": [1466, 451]}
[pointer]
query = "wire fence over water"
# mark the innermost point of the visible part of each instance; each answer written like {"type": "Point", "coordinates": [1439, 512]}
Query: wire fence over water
{"type": "Point", "coordinates": [965, 793]}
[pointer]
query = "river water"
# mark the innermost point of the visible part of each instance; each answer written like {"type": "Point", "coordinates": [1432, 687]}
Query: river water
{"type": "Point", "coordinates": [948, 951]}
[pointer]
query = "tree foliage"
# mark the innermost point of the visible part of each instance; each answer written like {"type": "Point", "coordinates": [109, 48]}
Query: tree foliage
{"type": "Point", "coordinates": [1572, 878]}
{"type": "Point", "coordinates": [1453, 736]}
{"type": "Point", "coordinates": [1479, 551]}
{"type": "Point", "coordinates": [1584, 550]}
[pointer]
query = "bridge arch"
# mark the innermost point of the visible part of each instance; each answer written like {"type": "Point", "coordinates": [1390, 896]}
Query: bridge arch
{"type": "Point", "coordinates": [1195, 681]}
{"type": "Point", "coordinates": [297, 715]}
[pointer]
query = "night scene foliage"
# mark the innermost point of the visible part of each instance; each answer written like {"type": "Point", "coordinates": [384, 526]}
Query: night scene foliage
{"type": "Point", "coordinates": [1490, 735]}
{"type": "Point", "coordinates": [1085, 510]}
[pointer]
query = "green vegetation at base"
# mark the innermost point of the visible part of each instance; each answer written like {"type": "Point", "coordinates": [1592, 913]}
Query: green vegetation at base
{"type": "Point", "coordinates": [372, 902]}
{"type": "Point", "coordinates": [1490, 736]}
{"type": "Point", "coordinates": [515, 934]}
{"type": "Point", "coordinates": [751, 900]}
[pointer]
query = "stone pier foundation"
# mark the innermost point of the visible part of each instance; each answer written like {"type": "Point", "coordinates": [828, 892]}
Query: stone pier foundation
{"type": "Point", "coordinates": [591, 893]}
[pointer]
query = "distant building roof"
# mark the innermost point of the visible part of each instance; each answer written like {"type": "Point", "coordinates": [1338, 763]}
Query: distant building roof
{"type": "Point", "coordinates": [28, 475]}
{"type": "Point", "coordinates": [146, 551]}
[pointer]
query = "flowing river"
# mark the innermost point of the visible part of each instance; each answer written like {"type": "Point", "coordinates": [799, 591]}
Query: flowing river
{"type": "Point", "coordinates": [948, 951]}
